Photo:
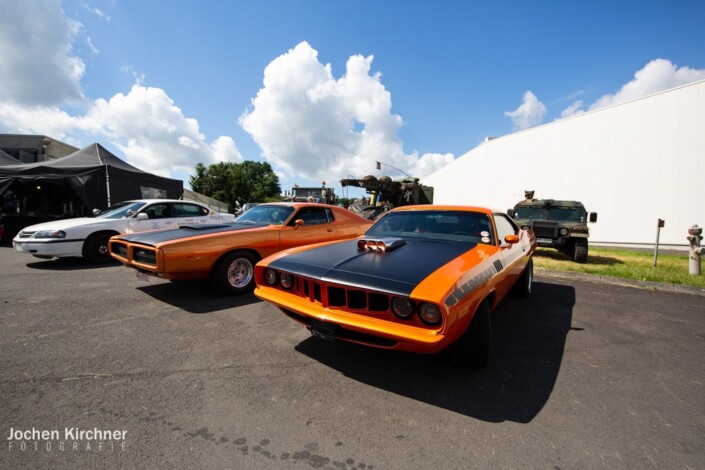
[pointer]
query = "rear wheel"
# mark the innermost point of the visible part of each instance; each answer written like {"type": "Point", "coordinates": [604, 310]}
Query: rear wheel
{"type": "Point", "coordinates": [235, 273]}
{"type": "Point", "coordinates": [580, 251]}
{"type": "Point", "coordinates": [472, 349]}
{"type": "Point", "coordinates": [95, 248]}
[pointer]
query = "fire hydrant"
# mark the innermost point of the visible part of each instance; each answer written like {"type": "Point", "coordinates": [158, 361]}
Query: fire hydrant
{"type": "Point", "coordinates": [695, 237]}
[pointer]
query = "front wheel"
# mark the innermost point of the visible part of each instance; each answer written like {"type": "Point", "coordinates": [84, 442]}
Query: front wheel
{"type": "Point", "coordinates": [95, 249]}
{"type": "Point", "coordinates": [523, 286]}
{"type": "Point", "coordinates": [580, 251]}
{"type": "Point", "coordinates": [235, 273]}
{"type": "Point", "coordinates": [472, 349]}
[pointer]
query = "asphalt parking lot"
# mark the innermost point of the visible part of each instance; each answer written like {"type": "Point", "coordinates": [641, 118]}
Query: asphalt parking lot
{"type": "Point", "coordinates": [582, 375]}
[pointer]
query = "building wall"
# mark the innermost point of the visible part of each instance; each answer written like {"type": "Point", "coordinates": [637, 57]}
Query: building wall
{"type": "Point", "coordinates": [632, 163]}
{"type": "Point", "coordinates": [34, 148]}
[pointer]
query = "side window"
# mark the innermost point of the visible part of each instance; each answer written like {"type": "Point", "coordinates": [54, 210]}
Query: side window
{"type": "Point", "coordinates": [312, 215]}
{"type": "Point", "coordinates": [189, 210]}
{"type": "Point", "coordinates": [505, 227]}
{"type": "Point", "coordinates": [329, 214]}
{"type": "Point", "coordinates": [158, 211]}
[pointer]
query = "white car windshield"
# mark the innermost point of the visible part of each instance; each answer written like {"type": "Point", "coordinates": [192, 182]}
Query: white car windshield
{"type": "Point", "coordinates": [120, 211]}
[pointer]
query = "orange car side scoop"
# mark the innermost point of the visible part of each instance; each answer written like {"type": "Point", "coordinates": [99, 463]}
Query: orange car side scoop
{"type": "Point", "coordinates": [381, 245]}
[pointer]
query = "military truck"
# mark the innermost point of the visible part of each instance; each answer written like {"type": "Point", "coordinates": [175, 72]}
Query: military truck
{"type": "Point", "coordinates": [319, 194]}
{"type": "Point", "coordinates": [385, 194]}
{"type": "Point", "coordinates": [557, 224]}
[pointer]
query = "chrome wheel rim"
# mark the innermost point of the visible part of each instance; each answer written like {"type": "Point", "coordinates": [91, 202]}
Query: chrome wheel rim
{"type": "Point", "coordinates": [240, 273]}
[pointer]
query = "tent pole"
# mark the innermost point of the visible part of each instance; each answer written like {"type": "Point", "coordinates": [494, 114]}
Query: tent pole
{"type": "Point", "coordinates": [107, 175]}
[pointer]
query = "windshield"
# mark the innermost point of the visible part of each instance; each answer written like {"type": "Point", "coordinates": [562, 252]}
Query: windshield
{"type": "Point", "coordinates": [264, 214]}
{"type": "Point", "coordinates": [119, 211]}
{"type": "Point", "coordinates": [564, 214]}
{"type": "Point", "coordinates": [442, 225]}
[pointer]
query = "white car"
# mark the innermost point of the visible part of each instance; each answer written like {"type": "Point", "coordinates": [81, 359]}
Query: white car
{"type": "Point", "coordinates": [88, 237]}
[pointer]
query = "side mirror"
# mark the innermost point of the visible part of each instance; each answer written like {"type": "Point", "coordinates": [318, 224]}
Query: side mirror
{"type": "Point", "coordinates": [510, 213]}
{"type": "Point", "coordinates": [142, 216]}
{"type": "Point", "coordinates": [298, 223]}
{"type": "Point", "coordinates": [96, 211]}
{"type": "Point", "coordinates": [511, 239]}
{"type": "Point", "coordinates": [592, 217]}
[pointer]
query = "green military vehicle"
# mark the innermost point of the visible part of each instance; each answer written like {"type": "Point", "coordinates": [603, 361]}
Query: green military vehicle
{"type": "Point", "coordinates": [557, 224]}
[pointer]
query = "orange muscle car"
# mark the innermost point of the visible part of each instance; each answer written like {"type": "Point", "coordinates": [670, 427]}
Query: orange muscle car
{"type": "Point", "coordinates": [227, 253]}
{"type": "Point", "coordinates": [423, 278]}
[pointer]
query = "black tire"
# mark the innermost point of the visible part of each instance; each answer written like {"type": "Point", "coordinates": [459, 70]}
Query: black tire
{"type": "Point", "coordinates": [472, 349]}
{"type": "Point", "coordinates": [234, 274]}
{"type": "Point", "coordinates": [523, 286]}
{"type": "Point", "coordinates": [95, 248]}
{"type": "Point", "coordinates": [580, 251]}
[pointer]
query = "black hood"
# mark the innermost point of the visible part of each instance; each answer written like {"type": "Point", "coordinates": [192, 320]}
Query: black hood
{"type": "Point", "coordinates": [396, 272]}
{"type": "Point", "coordinates": [185, 231]}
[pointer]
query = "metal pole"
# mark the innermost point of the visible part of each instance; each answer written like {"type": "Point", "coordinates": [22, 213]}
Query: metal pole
{"type": "Point", "coordinates": [107, 175]}
{"type": "Point", "coordinates": [659, 224]}
{"type": "Point", "coordinates": [696, 251]}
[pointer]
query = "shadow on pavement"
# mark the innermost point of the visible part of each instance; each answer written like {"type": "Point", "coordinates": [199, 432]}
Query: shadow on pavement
{"type": "Point", "coordinates": [197, 297]}
{"type": "Point", "coordinates": [528, 340]}
{"type": "Point", "coordinates": [68, 264]}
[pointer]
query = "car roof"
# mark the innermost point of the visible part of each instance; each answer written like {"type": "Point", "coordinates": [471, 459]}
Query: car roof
{"type": "Point", "coordinates": [157, 200]}
{"type": "Point", "coordinates": [296, 204]}
{"type": "Point", "coordinates": [441, 208]}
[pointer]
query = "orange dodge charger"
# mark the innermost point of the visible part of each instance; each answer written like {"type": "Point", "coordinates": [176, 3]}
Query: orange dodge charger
{"type": "Point", "coordinates": [227, 253]}
{"type": "Point", "coordinates": [422, 279]}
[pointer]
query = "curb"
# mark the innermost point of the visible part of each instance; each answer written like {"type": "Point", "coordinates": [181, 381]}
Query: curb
{"type": "Point", "coordinates": [655, 286]}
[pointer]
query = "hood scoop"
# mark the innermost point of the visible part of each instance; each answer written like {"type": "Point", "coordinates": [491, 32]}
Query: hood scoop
{"type": "Point", "coordinates": [381, 245]}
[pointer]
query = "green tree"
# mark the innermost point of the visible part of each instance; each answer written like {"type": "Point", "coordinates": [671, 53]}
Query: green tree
{"type": "Point", "coordinates": [230, 182]}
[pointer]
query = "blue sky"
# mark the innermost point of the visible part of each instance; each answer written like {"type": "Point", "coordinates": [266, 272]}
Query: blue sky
{"type": "Point", "coordinates": [324, 89]}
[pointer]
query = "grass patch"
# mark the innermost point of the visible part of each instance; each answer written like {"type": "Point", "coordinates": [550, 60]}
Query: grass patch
{"type": "Point", "coordinates": [622, 263]}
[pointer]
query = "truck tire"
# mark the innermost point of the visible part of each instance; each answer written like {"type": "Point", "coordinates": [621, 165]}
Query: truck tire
{"type": "Point", "coordinates": [580, 251]}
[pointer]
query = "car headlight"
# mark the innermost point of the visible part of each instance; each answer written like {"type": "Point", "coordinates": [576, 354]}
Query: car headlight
{"type": "Point", "coordinates": [270, 277]}
{"type": "Point", "coordinates": [430, 314]}
{"type": "Point", "coordinates": [564, 232]}
{"type": "Point", "coordinates": [50, 234]}
{"type": "Point", "coordinates": [403, 307]}
{"type": "Point", "coordinates": [287, 280]}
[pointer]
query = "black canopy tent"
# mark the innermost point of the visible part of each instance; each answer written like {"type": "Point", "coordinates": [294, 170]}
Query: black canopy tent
{"type": "Point", "coordinates": [7, 159]}
{"type": "Point", "coordinates": [91, 177]}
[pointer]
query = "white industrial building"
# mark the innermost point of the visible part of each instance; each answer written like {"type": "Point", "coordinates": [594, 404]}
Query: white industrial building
{"type": "Point", "coordinates": [633, 163]}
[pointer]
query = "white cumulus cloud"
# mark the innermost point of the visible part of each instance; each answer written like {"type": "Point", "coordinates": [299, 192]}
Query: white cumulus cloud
{"type": "Point", "coordinates": [40, 74]}
{"type": "Point", "coordinates": [657, 75]}
{"type": "Point", "coordinates": [309, 123]}
{"type": "Point", "coordinates": [153, 133]}
{"type": "Point", "coordinates": [37, 64]}
{"type": "Point", "coordinates": [530, 112]}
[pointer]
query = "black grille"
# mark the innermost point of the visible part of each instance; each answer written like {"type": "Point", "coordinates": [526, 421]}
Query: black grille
{"type": "Point", "coordinates": [26, 234]}
{"type": "Point", "coordinates": [120, 250]}
{"type": "Point", "coordinates": [341, 297]}
{"type": "Point", "coordinates": [546, 229]}
{"type": "Point", "coordinates": [498, 265]}
{"type": "Point", "coordinates": [144, 256]}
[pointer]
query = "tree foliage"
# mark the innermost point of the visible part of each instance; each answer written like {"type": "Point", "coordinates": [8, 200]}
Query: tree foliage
{"type": "Point", "coordinates": [243, 182]}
